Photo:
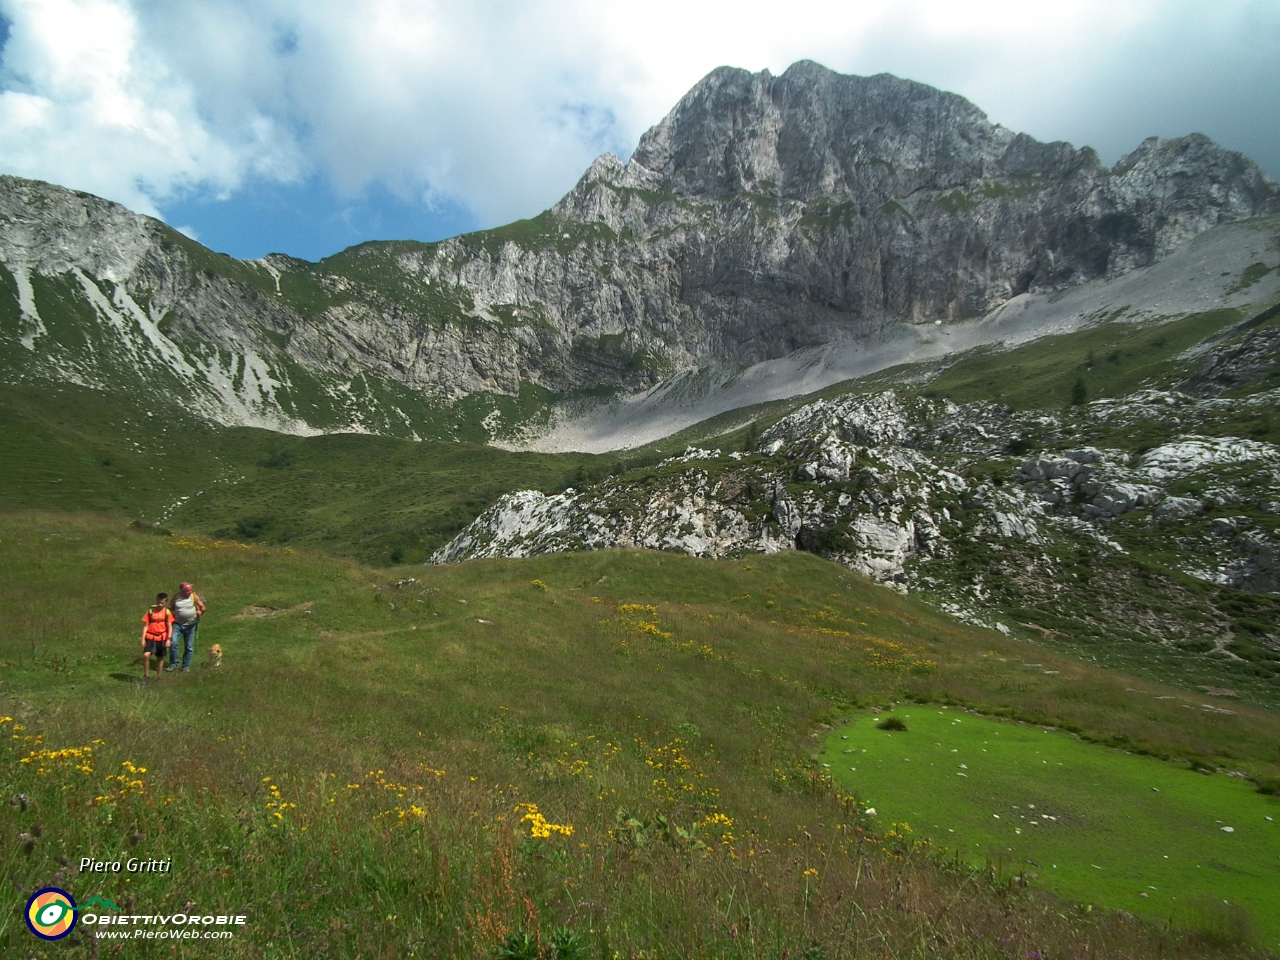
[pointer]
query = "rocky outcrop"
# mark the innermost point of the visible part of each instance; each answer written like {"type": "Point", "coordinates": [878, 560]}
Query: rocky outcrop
{"type": "Point", "coordinates": [1079, 542]}
{"type": "Point", "coordinates": [894, 487]}
{"type": "Point", "coordinates": [1239, 360]}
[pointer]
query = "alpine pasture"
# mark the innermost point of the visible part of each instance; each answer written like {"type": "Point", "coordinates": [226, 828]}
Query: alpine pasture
{"type": "Point", "coordinates": [584, 755]}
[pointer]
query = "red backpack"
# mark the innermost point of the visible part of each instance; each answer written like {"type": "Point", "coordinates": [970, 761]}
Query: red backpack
{"type": "Point", "coordinates": [157, 622]}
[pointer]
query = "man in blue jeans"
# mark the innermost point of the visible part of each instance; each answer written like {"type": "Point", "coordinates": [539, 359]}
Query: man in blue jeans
{"type": "Point", "coordinates": [187, 608]}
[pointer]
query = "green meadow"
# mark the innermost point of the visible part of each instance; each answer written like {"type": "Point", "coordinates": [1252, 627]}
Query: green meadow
{"type": "Point", "coordinates": [604, 755]}
{"type": "Point", "coordinates": [1096, 825]}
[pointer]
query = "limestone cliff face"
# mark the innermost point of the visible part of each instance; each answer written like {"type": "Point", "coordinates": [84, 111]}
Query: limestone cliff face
{"type": "Point", "coordinates": [762, 215]}
{"type": "Point", "coordinates": [816, 205]}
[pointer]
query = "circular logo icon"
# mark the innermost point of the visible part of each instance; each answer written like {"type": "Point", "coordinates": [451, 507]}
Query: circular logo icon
{"type": "Point", "coordinates": [51, 913]}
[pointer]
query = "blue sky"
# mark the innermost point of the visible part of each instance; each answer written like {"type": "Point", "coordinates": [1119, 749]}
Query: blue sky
{"type": "Point", "coordinates": [304, 126]}
{"type": "Point", "coordinates": [309, 219]}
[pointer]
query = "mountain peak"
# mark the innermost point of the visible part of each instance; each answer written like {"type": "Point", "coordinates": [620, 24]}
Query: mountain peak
{"type": "Point", "coordinates": [814, 132]}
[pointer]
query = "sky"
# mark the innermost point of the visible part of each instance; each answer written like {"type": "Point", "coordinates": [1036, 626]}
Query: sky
{"type": "Point", "coordinates": [305, 126]}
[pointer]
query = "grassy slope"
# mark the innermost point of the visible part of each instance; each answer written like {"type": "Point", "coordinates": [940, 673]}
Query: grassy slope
{"type": "Point", "coordinates": [407, 723]}
{"type": "Point", "coordinates": [382, 499]}
{"type": "Point", "coordinates": [1110, 359]}
{"type": "Point", "coordinates": [71, 448]}
{"type": "Point", "coordinates": [372, 497]}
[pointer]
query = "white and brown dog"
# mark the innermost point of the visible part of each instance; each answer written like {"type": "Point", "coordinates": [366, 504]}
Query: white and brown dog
{"type": "Point", "coordinates": [215, 655]}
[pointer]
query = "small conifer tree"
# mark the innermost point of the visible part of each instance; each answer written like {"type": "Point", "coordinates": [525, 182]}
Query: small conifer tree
{"type": "Point", "coordinates": [1079, 392]}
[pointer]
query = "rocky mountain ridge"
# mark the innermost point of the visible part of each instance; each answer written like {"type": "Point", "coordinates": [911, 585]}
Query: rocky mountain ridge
{"type": "Point", "coordinates": [762, 216]}
{"type": "Point", "coordinates": [1150, 515]}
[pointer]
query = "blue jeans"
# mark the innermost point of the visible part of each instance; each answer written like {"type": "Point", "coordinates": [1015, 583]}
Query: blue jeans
{"type": "Point", "coordinates": [187, 631]}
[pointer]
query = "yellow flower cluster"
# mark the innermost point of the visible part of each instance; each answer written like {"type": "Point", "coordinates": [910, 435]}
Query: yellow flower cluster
{"type": "Point", "coordinates": [401, 790]}
{"type": "Point", "coordinates": [643, 618]}
{"type": "Point", "coordinates": [632, 609]}
{"type": "Point", "coordinates": [18, 728]}
{"type": "Point", "coordinates": [539, 827]}
{"type": "Point", "coordinates": [276, 803]}
{"type": "Point", "coordinates": [187, 543]}
{"type": "Point", "coordinates": [669, 756]}
{"type": "Point", "coordinates": [881, 654]}
{"type": "Point", "coordinates": [403, 813]}
{"type": "Point", "coordinates": [413, 810]}
{"type": "Point", "coordinates": [539, 584]}
{"type": "Point", "coordinates": [829, 632]}
{"type": "Point", "coordinates": [886, 654]}
{"type": "Point", "coordinates": [47, 760]}
{"type": "Point", "coordinates": [573, 767]}
{"type": "Point", "coordinates": [720, 824]}
{"type": "Point", "coordinates": [653, 630]}
{"type": "Point", "coordinates": [128, 782]}
{"type": "Point", "coordinates": [677, 778]}
{"type": "Point", "coordinates": [900, 840]}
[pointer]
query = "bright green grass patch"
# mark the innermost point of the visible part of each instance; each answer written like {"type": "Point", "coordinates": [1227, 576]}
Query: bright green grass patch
{"type": "Point", "coordinates": [1095, 824]}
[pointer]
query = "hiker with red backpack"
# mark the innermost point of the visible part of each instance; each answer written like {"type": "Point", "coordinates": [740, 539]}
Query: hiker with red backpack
{"type": "Point", "coordinates": [157, 631]}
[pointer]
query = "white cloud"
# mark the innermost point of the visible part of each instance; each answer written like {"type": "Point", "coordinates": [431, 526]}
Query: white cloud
{"type": "Point", "coordinates": [84, 104]}
{"type": "Point", "coordinates": [1092, 71]}
{"type": "Point", "coordinates": [500, 104]}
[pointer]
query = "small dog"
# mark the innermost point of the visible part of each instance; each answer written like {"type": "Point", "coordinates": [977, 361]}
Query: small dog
{"type": "Point", "coordinates": [215, 655]}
